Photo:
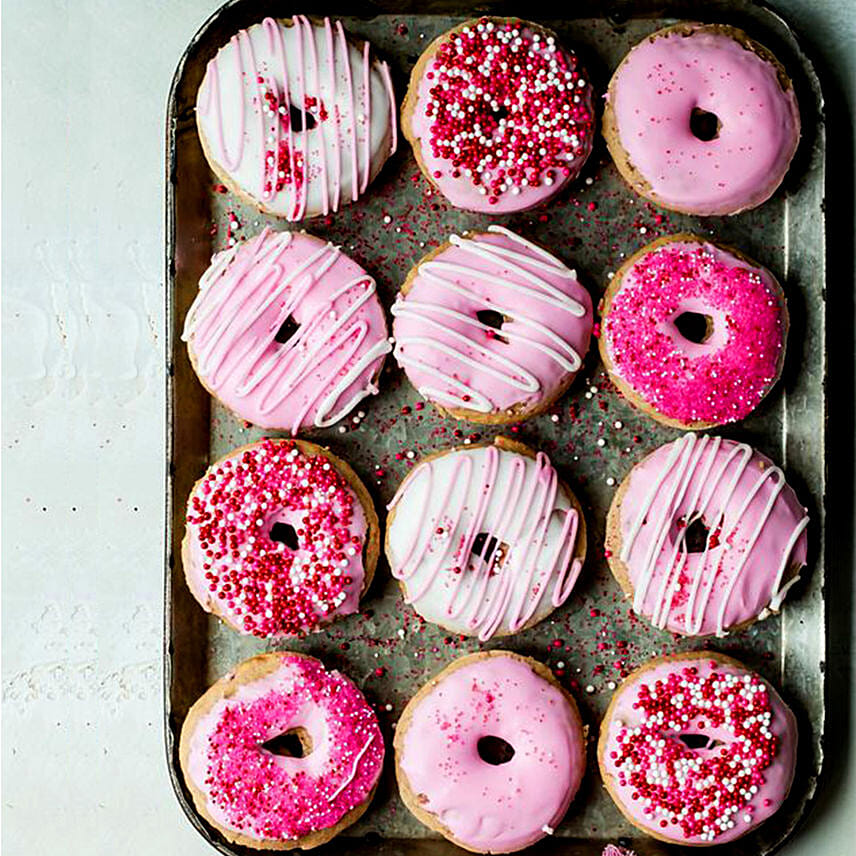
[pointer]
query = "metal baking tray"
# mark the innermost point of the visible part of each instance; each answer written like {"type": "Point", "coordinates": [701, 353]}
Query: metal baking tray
{"type": "Point", "coordinates": [593, 225]}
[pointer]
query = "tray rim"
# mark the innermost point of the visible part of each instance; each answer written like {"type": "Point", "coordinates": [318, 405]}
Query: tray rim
{"type": "Point", "coordinates": [626, 10]}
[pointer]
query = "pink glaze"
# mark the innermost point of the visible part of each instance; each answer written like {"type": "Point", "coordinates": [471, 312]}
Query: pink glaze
{"type": "Point", "coordinates": [528, 97]}
{"type": "Point", "coordinates": [345, 101]}
{"type": "Point", "coordinates": [494, 808]}
{"type": "Point", "coordinates": [662, 783]}
{"type": "Point", "coordinates": [264, 586]}
{"type": "Point", "coordinates": [267, 796]}
{"type": "Point", "coordinates": [327, 364]}
{"type": "Point", "coordinates": [756, 535]}
{"type": "Point", "coordinates": [653, 94]}
{"type": "Point", "coordinates": [720, 380]}
{"type": "Point", "coordinates": [455, 360]}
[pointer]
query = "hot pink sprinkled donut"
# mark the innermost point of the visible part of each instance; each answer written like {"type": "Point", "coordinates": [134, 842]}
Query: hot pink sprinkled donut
{"type": "Point", "coordinates": [693, 333]}
{"type": "Point", "coordinates": [499, 115]}
{"type": "Point", "coordinates": [287, 331]}
{"type": "Point", "coordinates": [705, 535]}
{"type": "Point", "coordinates": [696, 749]}
{"type": "Point", "coordinates": [490, 752]}
{"type": "Point", "coordinates": [245, 779]}
{"type": "Point", "coordinates": [702, 119]}
{"type": "Point", "coordinates": [282, 538]}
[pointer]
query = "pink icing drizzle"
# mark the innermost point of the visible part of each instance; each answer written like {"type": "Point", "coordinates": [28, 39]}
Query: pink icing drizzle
{"type": "Point", "coordinates": [733, 784]}
{"type": "Point", "coordinates": [720, 380]}
{"type": "Point", "coordinates": [326, 366]}
{"type": "Point", "coordinates": [453, 358]}
{"type": "Point", "coordinates": [267, 796]}
{"type": "Point", "coordinates": [488, 808]}
{"type": "Point", "coordinates": [756, 531]}
{"type": "Point", "coordinates": [654, 92]}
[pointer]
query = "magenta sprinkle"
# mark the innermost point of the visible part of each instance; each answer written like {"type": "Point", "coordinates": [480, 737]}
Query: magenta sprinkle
{"type": "Point", "coordinates": [721, 379]}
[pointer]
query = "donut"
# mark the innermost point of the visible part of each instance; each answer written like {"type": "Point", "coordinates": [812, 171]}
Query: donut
{"type": "Point", "coordinates": [296, 118]}
{"type": "Point", "coordinates": [700, 118]}
{"type": "Point", "coordinates": [500, 116]}
{"type": "Point", "coordinates": [705, 536]}
{"type": "Point", "coordinates": [287, 331]}
{"type": "Point", "coordinates": [491, 328]}
{"type": "Point", "coordinates": [485, 540]}
{"type": "Point", "coordinates": [697, 749]}
{"type": "Point", "coordinates": [490, 752]}
{"type": "Point", "coordinates": [281, 753]}
{"type": "Point", "coordinates": [281, 539]}
{"type": "Point", "coordinates": [693, 333]}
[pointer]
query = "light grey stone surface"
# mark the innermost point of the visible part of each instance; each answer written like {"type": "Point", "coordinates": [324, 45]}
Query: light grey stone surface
{"type": "Point", "coordinates": [84, 92]}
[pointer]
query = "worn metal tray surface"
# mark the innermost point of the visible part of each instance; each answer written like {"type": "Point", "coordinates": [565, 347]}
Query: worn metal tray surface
{"type": "Point", "coordinates": [593, 639]}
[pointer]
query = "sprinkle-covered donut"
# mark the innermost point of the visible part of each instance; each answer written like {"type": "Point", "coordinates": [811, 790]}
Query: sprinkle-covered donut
{"type": "Point", "coordinates": [490, 752]}
{"type": "Point", "coordinates": [499, 115]}
{"type": "Point", "coordinates": [295, 117]}
{"type": "Point", "coordinates": [705, 536]}
{"type": "Point", "coordinates": [491, 327]}
{"type": "Point", "coordinates": [485, 540]}
{"type": "Point", "coordinates": [700, 118]}
{"type": "Point", "coordinates": [696, 749]}
{"type": "Point", "coordinates": [693, 333]}
{"type": "Point", "coordinates": [282, 538]}
{"type": "Point", "coordinates": [287, 331]}
{"type": "Point", "coordinates": [247, 780]}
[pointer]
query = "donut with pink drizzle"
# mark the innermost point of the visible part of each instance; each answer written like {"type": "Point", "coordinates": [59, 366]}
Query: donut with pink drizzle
{"type": "Point", "coordinates": [705, 535]}
{"type": "Point", "coordinates": [499, 115]}
{"type": "Point", "coordinates": [491, 327]}
{"type": "Point", "coordinates": [282, 538]}
{"type": "Point", "coordinates": [287, 331]}
{"type": "Point", "coordinates": [700, 118]}
{"type": "Point", "coordinates": [491, 752]}
{"type": "Point", "coordinates": [295, 117]}
{"type": "Point", "coordinates": [696, 749]}
{"type": "Point", "coordinates": [485, 540]}
{"type": "Point", "coordinates": [693, 333]}
{"type": "Point", "coordinates": [245, 778]}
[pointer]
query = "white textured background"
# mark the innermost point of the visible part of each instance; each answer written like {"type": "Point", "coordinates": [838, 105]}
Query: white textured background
{"type": "Point", "coordinates": [85, 84]}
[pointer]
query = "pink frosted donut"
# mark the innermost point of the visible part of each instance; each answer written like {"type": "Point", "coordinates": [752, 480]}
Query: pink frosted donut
{"type": "Point", "coordinates": [692, 333]}
{"type": "Point", "coordinates": [245, 778]}
{"type": "Point", "coordinates": [491, 752]}
{"type": "Point", "coordinates": [491, 327]}
{"type": "Point", "coordinates": [696, 749]}
{"type": "Point", "coordinates": [702, 119]}
{"type": "Point", "coordinates": [282, 538]}
{"type": "Point", "coordinates": [287, 331]}
{"type": "Point", "coordinates": [295, 117]}
{"type": "Point", "coordinates": [705, 535]}
{"type": "Point", "coordinates": [499, 115]}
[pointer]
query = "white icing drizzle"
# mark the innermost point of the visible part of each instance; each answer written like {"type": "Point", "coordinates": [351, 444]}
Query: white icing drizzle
{"type": "Point", "coordinates": [504, 590]}
{"type": "Point", "coordinates": [691, 456]}
{"type": "Point", "coordinates": [354, 769]}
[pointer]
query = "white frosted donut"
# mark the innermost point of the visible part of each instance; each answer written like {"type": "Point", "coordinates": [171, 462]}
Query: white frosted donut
{"type": "Point", "coordinates": [485, 540]}
{"type": "Point", "coordinates": [295, 117]}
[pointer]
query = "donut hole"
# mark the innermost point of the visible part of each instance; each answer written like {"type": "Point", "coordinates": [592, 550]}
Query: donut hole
{"type": "Point", "coordinates": [705, 126]}
{"type": "Point", "coordinates": [494, 750]}
{"type": "Point", "coordinates": [699, 741]}
{"type": "Point", "coordinates": [493, 319]}
{"type": "Point", "coordinates": [695, 538]}
{"type": "Point", "coordinates": [694, 326]}
{"type": "Point", "coordinates": [286, 330]}
{"type": "Point", "coordinates": [300, 120]}
{"type": "Point", "coordinates": [294, 743]}
{"type": "Point", "coordinates": [285, 533]}
{"type": "Point", "coordinates": [485, 545]}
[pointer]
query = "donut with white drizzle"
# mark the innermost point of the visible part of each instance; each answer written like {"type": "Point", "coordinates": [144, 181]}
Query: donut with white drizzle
{"type": "Point", "coordinates": [287, 331]}
{"type": "Point", "coordinates": [490, 327]}
{"type": "Point", "coordinates": [485, 540]}
{"type": "Point", "coordinates": [295, 117]}
{"type": "Point", "coordinates": [500, 116]}
{"type": "Point", "coordinates": [241, 774]}
{"type": "Point", "coordinates": [706, 536]}
{"type": "Point", "coordinates": [696, 749]}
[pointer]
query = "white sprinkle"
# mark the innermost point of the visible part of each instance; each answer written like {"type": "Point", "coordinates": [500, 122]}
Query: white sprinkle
{"type": "Point", "coordinates": [610, 481]}
{"type": "Point", "coordinates": [589, 688]}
